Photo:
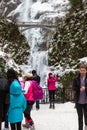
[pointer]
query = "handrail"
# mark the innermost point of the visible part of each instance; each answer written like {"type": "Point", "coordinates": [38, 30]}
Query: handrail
{"type": "Point", "coordinates": [35, 24]}
{"type": "Point", "coordinates": [62, 95]}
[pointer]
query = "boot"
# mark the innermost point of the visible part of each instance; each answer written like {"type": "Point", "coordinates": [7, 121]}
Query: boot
{"type": "Point", "coordinates": [86, 127]}
{"type": "Point", "coordinates": [53, 106]}
{"type": "Point", "coordinates": [26, 125]}
{"type": "Point", "coordinates": [50, 106]}
{"type": "Point", "coordinates": [32, 127]}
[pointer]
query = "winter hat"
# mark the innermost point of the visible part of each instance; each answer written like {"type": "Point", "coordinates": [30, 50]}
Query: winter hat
{"type": "Point", "coordinates": [50, 73]}
{"type": "Point", "coordinates": [28, 75]}
{"type": "Point", "coordinates": [20, 79]}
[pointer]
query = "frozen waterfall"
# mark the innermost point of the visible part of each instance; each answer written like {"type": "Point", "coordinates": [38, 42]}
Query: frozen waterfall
{"type": "Point", "coordinates": [39, 11]}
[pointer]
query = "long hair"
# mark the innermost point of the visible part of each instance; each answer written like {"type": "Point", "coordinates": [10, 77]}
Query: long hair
{"type": "Point", "coordinates": [11, 75]}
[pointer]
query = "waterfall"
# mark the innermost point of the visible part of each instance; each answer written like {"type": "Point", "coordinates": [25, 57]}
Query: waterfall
{"type": "Point", "coordinates": [39, 11]}
{"type": "Point", "coordinates": [38, 59]}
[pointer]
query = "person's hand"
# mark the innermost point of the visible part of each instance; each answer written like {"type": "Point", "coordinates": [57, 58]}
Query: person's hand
{"type": "Point", "coordinates": [82, 89]}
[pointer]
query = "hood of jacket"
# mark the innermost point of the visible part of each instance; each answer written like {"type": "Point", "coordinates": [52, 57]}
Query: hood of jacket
{"type": "Point", "coordinates": [50, 73]}
{"type": "Point", "coordinates": [15, 88]}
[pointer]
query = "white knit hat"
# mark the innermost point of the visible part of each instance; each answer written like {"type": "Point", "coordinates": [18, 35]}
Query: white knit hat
{"type": "Point", "coordinates": [28, 75]}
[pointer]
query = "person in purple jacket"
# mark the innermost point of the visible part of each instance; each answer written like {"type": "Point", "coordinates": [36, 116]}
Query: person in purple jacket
{"type": "Point", "coordinates": [52, 88]}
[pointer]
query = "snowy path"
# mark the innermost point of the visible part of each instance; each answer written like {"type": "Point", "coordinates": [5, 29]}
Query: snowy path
{"type": "Point", "coordinates": [64, 117]}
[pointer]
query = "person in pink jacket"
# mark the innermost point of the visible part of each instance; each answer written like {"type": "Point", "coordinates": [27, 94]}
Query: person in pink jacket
{"type": "Point", "coordinates": [52, 88]}
{"type": "Point", "coordinates": [29, 94]}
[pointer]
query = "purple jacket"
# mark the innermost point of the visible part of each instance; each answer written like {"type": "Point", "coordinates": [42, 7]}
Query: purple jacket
{"type": "Point", "coordinates": [51, 83]}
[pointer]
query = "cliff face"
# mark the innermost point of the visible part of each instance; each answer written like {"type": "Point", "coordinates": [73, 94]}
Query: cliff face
{"type": "Point", "coordinates": [14, 49]}
{"type": "Point", "coordinates": [6, 6]}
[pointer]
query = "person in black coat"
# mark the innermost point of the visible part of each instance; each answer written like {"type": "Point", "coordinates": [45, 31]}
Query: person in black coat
{"type": "Point", "coordinates": [36, 78]}
{"type": "Point", "coordinates": [4, 99]}
{"type": "Point", "coordinates": [80, 95]}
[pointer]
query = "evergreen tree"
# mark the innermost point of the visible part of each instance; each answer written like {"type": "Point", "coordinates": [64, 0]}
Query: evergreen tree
{"type": "Point", "coordinates": [76, 3]}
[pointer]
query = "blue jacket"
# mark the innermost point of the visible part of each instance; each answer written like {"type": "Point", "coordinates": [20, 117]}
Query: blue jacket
{"type": "Point", "coordinates": [17, 103]}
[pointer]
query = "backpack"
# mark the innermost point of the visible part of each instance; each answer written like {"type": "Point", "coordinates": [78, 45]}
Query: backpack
{"type": "Point", "coordinates": [38, 91]}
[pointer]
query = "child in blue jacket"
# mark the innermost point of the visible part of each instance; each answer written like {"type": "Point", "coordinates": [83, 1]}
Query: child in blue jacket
{"type": "Point", "coordinates": [17, 101]}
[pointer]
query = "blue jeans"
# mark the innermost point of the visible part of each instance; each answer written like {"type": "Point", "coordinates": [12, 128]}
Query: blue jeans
{"type": "Point", "coordinates": [37, 104]}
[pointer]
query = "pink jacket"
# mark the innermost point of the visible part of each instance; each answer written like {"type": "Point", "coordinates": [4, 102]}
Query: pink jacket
{"type": "Point", "coordinates": [30, 95]}
{"type": "Point", "coordinates": [51, 83]}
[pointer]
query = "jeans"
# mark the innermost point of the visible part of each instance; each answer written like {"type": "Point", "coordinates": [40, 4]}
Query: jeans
{"type": "Point", "coordinates": [37, 104]}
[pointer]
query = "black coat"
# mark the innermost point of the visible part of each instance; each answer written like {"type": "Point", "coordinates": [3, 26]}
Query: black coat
{"type": "Point", "coordinates": [76, 87]}
{"type": "Point", "coordinates": [36, 78]}
{"type": "Point", "coordinates": [4, 97]}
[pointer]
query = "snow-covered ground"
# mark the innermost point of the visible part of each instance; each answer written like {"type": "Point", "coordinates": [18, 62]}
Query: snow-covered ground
{"type": "Point", "coordinates": [63, 117]}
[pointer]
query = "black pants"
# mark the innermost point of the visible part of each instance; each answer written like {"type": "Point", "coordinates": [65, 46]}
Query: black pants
{"type": "Point", "coordinates": [6, 124]}
{"type": "Point", "coordinates": [27, 112]}
{"type": "Point", "coordinates": [52, 96]}
{"type": "Point", "coordinates": [0, 123]}
{"type": "Point", "coordinates": [81, 111]}
{"type": "Point", "coordinates": [16, 126]}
